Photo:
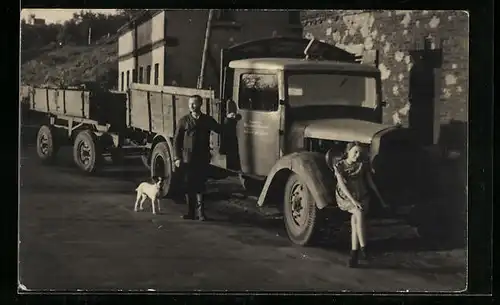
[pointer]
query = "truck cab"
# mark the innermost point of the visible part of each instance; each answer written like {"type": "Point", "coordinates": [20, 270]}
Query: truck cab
{"type": "Point", "coordinates": [293, 114]}
{"type": "Point", "coordinates": [283, 102]}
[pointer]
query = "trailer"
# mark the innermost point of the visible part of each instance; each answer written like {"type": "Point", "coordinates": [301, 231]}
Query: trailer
{"type": "Point", "coordinates": [100, 123]}
{"type": "Point", "coordinates": [297, 103]}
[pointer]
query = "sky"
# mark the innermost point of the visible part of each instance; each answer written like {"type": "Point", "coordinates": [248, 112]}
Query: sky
{"type": "Point", "coordinates": [59, 15]}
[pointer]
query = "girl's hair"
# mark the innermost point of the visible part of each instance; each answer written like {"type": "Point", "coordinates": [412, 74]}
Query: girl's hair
{"type": "Point", "coordinates": [350, 146]}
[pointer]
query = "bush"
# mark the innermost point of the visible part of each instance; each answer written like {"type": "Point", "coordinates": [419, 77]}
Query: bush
{"type": "Point", "coordinates": [59, 54]}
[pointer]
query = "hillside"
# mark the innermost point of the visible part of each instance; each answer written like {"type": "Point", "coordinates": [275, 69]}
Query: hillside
{"type": "Point", "coordinates": [71, 65]}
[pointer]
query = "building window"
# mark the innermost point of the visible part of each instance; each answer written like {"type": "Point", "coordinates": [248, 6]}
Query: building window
{"type": "Point", "coordinates": [134, 76]}
{"type": "Point", "coordinates": [157, 73]}
{"type": "Point", "coordinates": [224, 15]}
{"type": "Point", "coordinates": [122, 81]}
{"type": "Point", "coordinates": [258, 92]}
{"type": "Point", "coordinates": [148, 74]}
{"type": "Point", "coordinates": [141, 75]}
{"type": "Point", "coordinates": [128, 79]}
{"type": "Point", "coordinates": [294, 18]}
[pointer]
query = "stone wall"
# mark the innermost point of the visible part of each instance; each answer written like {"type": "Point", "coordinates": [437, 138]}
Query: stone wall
{"type": "Point", "coordinates": [395, 34]}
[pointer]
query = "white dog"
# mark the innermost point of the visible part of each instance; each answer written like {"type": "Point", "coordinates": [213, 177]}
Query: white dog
{"type": "Point", "coordinates": [149, 190]}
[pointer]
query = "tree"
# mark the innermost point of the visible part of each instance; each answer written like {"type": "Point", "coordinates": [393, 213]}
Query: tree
{"type": "Point", "coordinates": [130, 13]}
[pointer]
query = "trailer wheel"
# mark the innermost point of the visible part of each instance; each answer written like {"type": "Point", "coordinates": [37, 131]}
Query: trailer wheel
{"type": "Point", "coordinates": [161, 166]}
{"type": "Point", "coordinates": [300, 212]}
{"type": "Point", "coordinates": [46, 144]}
{"type": "Point", "coordinates": [87, 152]}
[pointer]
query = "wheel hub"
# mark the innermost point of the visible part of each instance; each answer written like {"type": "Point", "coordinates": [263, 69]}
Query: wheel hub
{"type": "Point", "coordinates": [159, 169]}
{"type": "Point", "coordinates": [85, 152]}
{"type": "Point", "coordinates": [297, 202]}
{"type": "Point", "coordinates": [44, 144]}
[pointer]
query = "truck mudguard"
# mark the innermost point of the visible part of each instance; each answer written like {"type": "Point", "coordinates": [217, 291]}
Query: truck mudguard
{"type": "Point", "coordinates": [314, 172]}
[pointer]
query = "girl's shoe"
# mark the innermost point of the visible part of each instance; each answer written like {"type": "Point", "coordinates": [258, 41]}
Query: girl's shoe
{"type": "Point", "coordinates": [364, 254]}
{"type": "Point", "coordinates": [353, 261]}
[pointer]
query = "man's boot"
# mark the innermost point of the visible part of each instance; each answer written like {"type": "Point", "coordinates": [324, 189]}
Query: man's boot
{"type": "Point", "coordinates": [190, 204]}
{"type": "Point", "coordinates": [200, 208]}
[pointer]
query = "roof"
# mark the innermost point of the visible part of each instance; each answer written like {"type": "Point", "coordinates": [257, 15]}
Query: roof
{"type": "Point", "coordinates": [138, 19]}
{"type": "Point", "coordinates": [299, 64]}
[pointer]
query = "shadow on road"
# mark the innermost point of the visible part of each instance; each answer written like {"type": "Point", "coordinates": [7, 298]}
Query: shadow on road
{"type": "Point", "coordinates": [226, 207]}
{"type": "Point", "coordinates": [339, 239]}
{"type": "Point", "coordinates": [430, 270]}
{"type": "Point", "coordinates": [413, 245]}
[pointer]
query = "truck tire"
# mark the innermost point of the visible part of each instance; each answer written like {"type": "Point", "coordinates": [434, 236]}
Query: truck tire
{"type": "Point", "coordinates": [87, 153]}
{"type": "Point", "coordinates": [300, 212]}
{"type": "Point", "coordinates": [47, 145]}
{"type": "Point", "coordinates": [161, 165]}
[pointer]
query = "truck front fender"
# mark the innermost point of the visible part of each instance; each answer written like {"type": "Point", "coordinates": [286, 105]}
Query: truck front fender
{"type": "Point", "coordinates": [311, 168]}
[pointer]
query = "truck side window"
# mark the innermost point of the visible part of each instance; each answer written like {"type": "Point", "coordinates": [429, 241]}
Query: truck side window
{"type": "Point", "coordinates": [258, 92]}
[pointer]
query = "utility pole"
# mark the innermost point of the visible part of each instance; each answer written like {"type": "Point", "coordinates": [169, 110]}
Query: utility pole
{"type": "Point", "coordinates": [205, 49]}
{"type": "Point", "coordinates": [90, 35]}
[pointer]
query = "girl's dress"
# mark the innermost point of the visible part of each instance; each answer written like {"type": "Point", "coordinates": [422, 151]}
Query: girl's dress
{"type": "Point", "coordinates": [355, 179]}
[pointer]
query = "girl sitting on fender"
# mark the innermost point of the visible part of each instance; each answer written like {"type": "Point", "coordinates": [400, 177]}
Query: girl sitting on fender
{"type": "Point", "coordinates": [352, 194]}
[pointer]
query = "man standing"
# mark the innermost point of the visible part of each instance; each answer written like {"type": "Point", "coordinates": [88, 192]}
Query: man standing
{"type": "Point", "coordinates": [192, 154]}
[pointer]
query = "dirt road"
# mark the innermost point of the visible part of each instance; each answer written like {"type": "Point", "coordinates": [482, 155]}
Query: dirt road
{"type": "Point", "coordinates": [80, 232]}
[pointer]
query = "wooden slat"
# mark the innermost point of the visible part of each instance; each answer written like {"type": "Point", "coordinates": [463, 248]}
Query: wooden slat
{"type": "Point", "coordinates": [139, 110]}
{"type": "Point", "coordinates": [206, 94]}
{"type": "Point", "coordinates": [157, 115]}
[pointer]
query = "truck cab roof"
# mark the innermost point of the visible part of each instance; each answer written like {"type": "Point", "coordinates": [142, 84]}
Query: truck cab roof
{"type": "Point", "coordinates": [295, 64]}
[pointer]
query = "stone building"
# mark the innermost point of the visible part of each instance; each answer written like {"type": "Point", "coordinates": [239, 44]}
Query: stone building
{"type": "Point", "coordinates": [165, 46]}
{"type": "Point", "coordinates": [432, 83]}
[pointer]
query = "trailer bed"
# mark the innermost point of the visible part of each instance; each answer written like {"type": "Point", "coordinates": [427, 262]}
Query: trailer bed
{"type": "Point", "coordinates": [156, 109]}
{"type": "Point", "coordinates": [103, 107]}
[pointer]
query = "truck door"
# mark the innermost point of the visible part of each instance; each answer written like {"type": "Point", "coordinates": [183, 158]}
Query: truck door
{"type": "Point", "coordinates": [256, 95]}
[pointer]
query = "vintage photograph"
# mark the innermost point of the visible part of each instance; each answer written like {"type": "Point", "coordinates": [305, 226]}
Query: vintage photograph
{"type": "Point", "coordinates": [243, 150]}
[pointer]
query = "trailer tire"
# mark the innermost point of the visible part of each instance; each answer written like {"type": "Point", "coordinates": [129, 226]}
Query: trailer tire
{"type": "Point", "coordinates": [161, 165]}
{"type": "Point", "coordinates": [87, 152]}
{"type": "Point", "coordinates": [47, 144]}
{"type": "Point", "coordinates": [300, 212]}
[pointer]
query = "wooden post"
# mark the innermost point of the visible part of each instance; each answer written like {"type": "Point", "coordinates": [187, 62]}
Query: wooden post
{"type": "Point", "coordinates": [90, 35]}
{"type": "Point", "coordinates": [205, 49]}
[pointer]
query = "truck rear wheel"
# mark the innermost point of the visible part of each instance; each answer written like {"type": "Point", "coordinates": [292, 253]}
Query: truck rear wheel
{"type": "Point", "coordinates": [161, 166]}
{"type": "Point", "coordinates": [300, 212]}
{"type": "Point", "coordinates": [87, 152]}
{"type": "Point", "coordinates": [46, 144]}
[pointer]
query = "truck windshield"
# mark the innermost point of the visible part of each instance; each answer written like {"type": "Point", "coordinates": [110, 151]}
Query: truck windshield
{"type": "Point", "coordinates": [332, 89]}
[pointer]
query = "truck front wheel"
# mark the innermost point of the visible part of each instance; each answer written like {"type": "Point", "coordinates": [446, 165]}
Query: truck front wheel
{"type": "Point", "coordinates": [300, 212]}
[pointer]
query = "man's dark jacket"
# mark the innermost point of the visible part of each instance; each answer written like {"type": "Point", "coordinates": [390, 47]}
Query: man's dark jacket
{"type": "Point", "coordinates": [192, 138]}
